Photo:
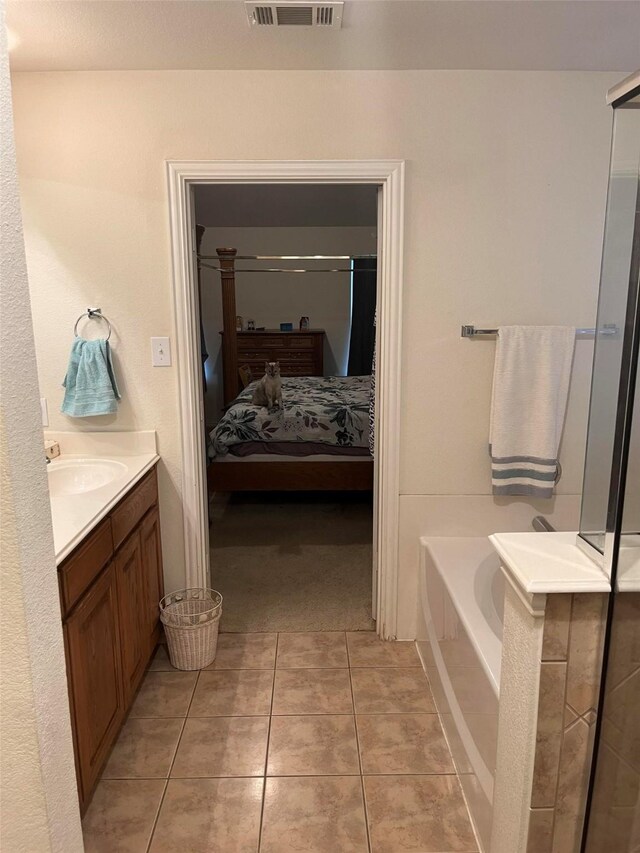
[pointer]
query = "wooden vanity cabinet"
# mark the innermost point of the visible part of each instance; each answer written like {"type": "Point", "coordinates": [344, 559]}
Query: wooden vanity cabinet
{"type": "Point", "coordinates": [151, 542]}
{"type": "Point", "coordinates": [132, 606]}
{"type": "Point", "coordinates": [110, 587]}
{"type": "Point", "coordinates": [92, 643]}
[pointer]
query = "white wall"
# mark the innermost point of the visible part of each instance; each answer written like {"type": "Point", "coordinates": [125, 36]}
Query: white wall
{"type": "Point", "coordinates": [38, 798]}
{"type": "Point", "coordinates": [506, 184]}
{"type": "Point", "coordinates": [274, 298]}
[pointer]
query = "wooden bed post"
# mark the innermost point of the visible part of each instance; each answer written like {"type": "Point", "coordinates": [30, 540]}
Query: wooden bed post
{"type": "Point", "coordinates": [229, 337]}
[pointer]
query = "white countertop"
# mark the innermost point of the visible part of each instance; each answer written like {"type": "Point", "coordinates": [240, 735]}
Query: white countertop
{"type": "Point", "coordinates": [74, 516]}
{"type": "Point", "coordinates": [548, 562]}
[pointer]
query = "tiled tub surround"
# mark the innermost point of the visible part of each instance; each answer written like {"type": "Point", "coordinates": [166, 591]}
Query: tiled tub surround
{"type": "Point", "coordinates": [291, 742]}
{"type": "Point", "coordinates": [516, 684]}
{"type": "Point", "coordinates": [555, 611]}
{"type": "Point", "coordinates": [614, 823]}
{"type": "Point", "coordinates": [570, 669]}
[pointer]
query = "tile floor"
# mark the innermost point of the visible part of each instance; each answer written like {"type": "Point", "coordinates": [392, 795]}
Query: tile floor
{"type": "Point", "coordinates": [315, 742]}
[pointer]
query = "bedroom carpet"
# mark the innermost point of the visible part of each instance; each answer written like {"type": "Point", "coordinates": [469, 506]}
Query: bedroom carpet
{"type": "Point", "coordinates": [293, 561]}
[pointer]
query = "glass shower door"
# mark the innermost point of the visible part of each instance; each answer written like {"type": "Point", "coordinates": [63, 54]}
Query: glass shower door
{"type": "Point", "coordinates": [614, 814]}
{"type": "Point", "coordinates": [610, 520]}
{"type": "Point", "coordinates": [614, 334]}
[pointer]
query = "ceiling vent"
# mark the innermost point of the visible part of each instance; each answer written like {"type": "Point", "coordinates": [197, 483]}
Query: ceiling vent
{"type": "Point", "coordinates": [292, 13]}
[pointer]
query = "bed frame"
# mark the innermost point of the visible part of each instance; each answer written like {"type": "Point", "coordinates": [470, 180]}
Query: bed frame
{"type": "Point", "coordinates": [288, 476]}
{"type": "Point", "coordinates": [276, 475]}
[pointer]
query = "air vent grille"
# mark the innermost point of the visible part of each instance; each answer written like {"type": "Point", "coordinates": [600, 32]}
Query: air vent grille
{"type": "Point", "coordinates": [298, 16]}
{"type": "Point", "coordinates": [263, 15]}
{"type": "Point", "coordinates": [295, 13]}
{"type": "Point", "coordinates": [324, 16]}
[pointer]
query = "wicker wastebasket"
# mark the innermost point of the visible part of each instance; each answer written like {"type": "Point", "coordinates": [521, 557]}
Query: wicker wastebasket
{"type": "Point", "coordinates": [191, 618]}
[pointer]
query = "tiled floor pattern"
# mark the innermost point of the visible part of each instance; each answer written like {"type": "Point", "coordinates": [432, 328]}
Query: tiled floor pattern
{"type": "Point", "coordinates": [310, 742]}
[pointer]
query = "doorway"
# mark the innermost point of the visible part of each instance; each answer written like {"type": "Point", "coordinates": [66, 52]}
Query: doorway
{"type": "Point", "coordinates": [388, 176]}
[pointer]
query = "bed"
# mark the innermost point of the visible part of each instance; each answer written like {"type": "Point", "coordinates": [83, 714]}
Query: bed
{"type": "Point", "coordinates": [318, 441]}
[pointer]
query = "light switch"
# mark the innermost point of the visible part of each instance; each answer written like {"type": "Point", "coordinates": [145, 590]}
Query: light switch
{"type": "Point", "coordinates": [160, 352]}
{"type": "Point", "coordinates": [44, 411]}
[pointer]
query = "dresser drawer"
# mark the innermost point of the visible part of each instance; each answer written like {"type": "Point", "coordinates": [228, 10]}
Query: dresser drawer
{"type": "Point", "coordinates": [132, 508]}
{"type": "Point", "coordinates": [294, 355]}
{"type": "Point", "coordinates": [288, 367]}
{"type": "Point", "coordinates": [287, 340]}
{"type": "Point", "coordinates": [256, 365]}
{"type": "Point", "coordinates": [77, 572]}
{"type": "Point", "coordinates": [305, 342]}
{"type": "Point", "coordinates": [256, 359]}
{"type": "Point", "coordinates": [258, 342]}
{"type": "Point", "coordinates": [254, 354]}
{"type": "Point", "coordinates": [298, 370]}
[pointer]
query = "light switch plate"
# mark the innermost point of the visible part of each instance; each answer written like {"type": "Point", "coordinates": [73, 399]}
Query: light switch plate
{"type": "Point", "coordinates": [44, 411]}
{"type": "Point", "coordinates": [160, 352]}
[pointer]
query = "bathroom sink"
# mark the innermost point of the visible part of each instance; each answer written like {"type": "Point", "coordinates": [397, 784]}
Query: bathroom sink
{"type": "Point", "coordinates": [78, 476]}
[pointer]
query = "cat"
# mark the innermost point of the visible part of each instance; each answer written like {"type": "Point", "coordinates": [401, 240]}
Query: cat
{"type": "Point", "coordinates": [268, 391]}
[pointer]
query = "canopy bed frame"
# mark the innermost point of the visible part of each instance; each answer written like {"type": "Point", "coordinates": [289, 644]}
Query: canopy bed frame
{"type": "Point", "coordinates": [275, 473]}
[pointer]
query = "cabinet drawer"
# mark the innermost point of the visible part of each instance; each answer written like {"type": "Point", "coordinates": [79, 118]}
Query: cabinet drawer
{"type": "Point", "coordinates": [287, 368]}
{"type": "Point", "coordinates": [131, 509]}
{"type": "Point", "coordinates": [78, 571]}
{"type": "Point", "coordinates": [293, 355]}
{"type": "Point", "coordinates": [306, 342]}
{"type": "Point", "coordinates": [259, 342]}
{"type": "Point", "coordinates": [254, 354]}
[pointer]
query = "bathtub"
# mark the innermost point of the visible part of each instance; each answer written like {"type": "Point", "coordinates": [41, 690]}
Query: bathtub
{"type": "Point", "coordinates": [461, 602]}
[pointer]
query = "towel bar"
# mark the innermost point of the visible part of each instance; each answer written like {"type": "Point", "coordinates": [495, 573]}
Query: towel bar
{"type": "Point", "coordinates": [471, 332]}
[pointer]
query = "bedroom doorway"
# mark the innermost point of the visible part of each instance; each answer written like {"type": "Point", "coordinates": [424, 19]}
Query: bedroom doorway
{"type": "Point", "coordinates": [269, 512]}
{"type": "Point", "coordinates": [290, 485]}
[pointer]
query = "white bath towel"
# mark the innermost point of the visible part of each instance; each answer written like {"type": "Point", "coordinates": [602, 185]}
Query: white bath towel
{"type": "Point", "coordinates": [528, 406]}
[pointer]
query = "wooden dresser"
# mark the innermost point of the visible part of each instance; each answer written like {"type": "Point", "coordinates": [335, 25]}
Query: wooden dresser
{"type": "Point", "coordinates": [299, 353]}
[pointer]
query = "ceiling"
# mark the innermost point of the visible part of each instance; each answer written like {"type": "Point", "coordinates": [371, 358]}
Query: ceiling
{"type": "Point", "coordinates": [75, 35]}
{"type": "Point", "coordinates": [284, 205]}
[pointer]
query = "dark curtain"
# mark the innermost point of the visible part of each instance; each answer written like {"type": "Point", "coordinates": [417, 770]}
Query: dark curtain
{"type": "Point", "coordinates": [363, 310]}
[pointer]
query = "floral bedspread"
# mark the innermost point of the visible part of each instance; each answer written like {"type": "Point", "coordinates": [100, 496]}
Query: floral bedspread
{"type": "Point", "coordinates": [332, 410]}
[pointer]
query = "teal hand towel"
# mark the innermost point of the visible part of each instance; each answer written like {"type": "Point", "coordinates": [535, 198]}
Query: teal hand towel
{"type": "Point", "coordinates": [90, 384]}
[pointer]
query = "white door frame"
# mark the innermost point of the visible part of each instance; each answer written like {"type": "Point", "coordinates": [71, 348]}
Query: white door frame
{"type": "Point", "coordinates": [389, 175]}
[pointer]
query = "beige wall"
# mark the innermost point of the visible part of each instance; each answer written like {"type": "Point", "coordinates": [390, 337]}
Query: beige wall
{"type": "Point", "coordinates": [38, 799]}
{"type": "Point", "coordinates": [272, 298]}
{"type": "Point", "coordinates": [505, 194]}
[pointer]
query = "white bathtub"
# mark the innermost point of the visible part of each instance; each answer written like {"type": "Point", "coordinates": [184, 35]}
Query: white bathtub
{"type": "Point", "coordinates": [460, 644]}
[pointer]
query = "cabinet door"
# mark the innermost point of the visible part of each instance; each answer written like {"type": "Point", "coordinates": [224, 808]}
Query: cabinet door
{"type": "Point", "coordinates": [93, 667]}
{"type": "Point", "coordinates": [152, 563]}
{"type": "Point", "coordinates": [132, 613]}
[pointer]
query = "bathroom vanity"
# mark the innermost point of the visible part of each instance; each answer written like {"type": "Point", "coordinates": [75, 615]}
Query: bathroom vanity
{"type": "Point", "coordinates": [110, 587]}
{"type": "Point", "coordinates": [110, 583]}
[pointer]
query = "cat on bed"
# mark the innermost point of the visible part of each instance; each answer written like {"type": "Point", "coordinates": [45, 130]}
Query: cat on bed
{"type": "Point", "coordinates": [268, 391]}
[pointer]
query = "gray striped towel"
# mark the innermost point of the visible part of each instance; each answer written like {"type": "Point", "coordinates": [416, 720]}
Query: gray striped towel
{"type": "Point", "coordinates": [528, 407]}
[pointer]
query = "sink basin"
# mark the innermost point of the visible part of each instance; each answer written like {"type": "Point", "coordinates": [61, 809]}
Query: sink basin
{"type": "Point", "coordinates": [78, 476]}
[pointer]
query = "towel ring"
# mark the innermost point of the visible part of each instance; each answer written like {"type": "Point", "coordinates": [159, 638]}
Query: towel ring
{"type": "Point", "coordinates": [92, 313]}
